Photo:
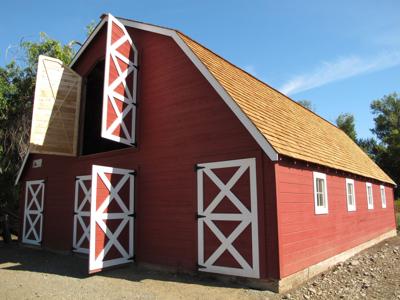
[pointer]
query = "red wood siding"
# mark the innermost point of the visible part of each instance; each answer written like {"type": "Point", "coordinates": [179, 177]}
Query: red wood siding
{"type": "Point", "coordinates": [181, 121]}
{"type": "Point", "coordinates": [306, 238]}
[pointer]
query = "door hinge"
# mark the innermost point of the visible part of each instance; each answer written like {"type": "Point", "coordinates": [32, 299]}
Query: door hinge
{"type": "Point", "coordinates": [197, 167]}
{"type": "Point", "coordinates": [132, 215]}
{"type": "Point", "coordinates": [200, 266]}
{"type": "Point", "coordinates": [198, 216]}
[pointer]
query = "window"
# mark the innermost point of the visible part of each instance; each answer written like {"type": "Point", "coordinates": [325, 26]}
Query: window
{"type": "Point", "coordinates": [320, 193]}
{"type": "Point", "coordinates": [351, 198]}
{"type": "Point", "coordinates": [383, 196]}
{"type": "Point", "coordinates": [370, 198]}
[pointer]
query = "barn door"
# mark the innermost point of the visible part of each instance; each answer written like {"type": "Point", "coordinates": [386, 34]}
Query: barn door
{"type": "Point", "coordinates": [81, 230]}
{"type": "Point", "coordinates": [33, 213]}
{"type": "Point", "coordinates": [111, 218]}
{"type": "Point", "coordinates": [55, 117]}
{"type": "Point", "coordinates": [227, 218]}
{"type": "Point", "coordinates": [120, 82]}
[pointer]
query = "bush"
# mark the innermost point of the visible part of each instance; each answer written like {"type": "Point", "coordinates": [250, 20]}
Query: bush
{"type": "Point", "coordinates": [398, 221]}
{"type": "Point", "coordinates": [397, 205]}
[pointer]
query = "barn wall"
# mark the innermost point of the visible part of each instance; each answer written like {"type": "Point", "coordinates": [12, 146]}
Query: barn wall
{"type": "Point", "coordinates": [305, 238]}
{"type": "Point", "coordinates": [181, 121]}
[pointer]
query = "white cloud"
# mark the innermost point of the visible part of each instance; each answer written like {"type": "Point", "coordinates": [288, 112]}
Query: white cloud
{"type": "Point", "coordinates": [342, 68]}
{"type": "Point", "coordinates": [250, 69]}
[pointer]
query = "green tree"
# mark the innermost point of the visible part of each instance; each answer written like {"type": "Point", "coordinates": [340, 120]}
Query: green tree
{"type": "Point", "coordinates": [307, 104]}
{"type": "Point", "coordinates": [345, 122]}
{"type": "Point", "coordinates": [17, 84]}
{"type": "Point", "coordinates": [387, 129]}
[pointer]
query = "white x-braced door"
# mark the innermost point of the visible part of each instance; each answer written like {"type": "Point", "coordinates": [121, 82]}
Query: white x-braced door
{"type": "Point", "coordinates": [81, 230]}
{"type": "Point", "coordinates": [227, 218]}
{"type": "Point", "coordinates": [33, 213]}
{"type": "Point", "coordinates": [120, 85]}
{"type": "Point", "coordinates": [111, 217]}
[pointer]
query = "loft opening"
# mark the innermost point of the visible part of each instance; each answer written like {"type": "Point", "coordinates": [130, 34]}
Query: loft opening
{"type": "Point", "coordinates": [91, 140]}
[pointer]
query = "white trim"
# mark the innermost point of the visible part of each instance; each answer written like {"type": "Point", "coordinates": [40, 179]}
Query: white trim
{"type": "Point", "coordinates": [320, 210]}
{"type": "Point", "coordinates": [88, 40]}
{"type": "Point", "coordinates": [31, 196]}
{"type": "Point", "coordinates": [79, 213]}
{"type": "Point", "coordinates": [383, 195]}
{"type": "Point", "coordinates": [21, 169]}
{"type": "Point", "coordinates": [370, 196]}
{"type": "Point", "coordinates": [350, 207]}
{"type": "Point", "coordinates": [247, 123]}
{"type": "Point", "coordinates": [97, 218]}
{"type": "Point", "coordinates": [246, 216]}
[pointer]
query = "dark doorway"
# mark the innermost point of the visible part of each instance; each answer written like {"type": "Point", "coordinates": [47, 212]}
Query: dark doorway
{"type": "Point", "coordinates": [92, 142]}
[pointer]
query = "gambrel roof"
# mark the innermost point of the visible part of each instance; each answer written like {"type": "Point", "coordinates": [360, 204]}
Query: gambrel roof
{"type": "Point", "coordinates": [279, 125]}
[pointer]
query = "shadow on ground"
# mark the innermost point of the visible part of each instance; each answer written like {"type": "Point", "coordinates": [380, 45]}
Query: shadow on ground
{"type": "Point", "coordinates": [20, 258]}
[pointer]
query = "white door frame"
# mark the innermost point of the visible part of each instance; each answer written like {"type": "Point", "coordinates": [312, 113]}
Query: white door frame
{"type": "Point", "coordinates": [38, 213]}
{"type": "Point", "coordinates": [79, 213]}
{"type": "Point", "coordinates": [97, 217]}
{"type": "Point", "coordinates": [206, 217]}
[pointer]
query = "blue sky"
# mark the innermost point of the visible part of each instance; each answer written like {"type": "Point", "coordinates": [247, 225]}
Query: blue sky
{"type": "Point", "coordinates": [340, 55]}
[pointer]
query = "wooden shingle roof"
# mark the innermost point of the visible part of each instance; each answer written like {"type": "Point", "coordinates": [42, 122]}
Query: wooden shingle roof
{"type": "Point", "coordinates": [291, 129]}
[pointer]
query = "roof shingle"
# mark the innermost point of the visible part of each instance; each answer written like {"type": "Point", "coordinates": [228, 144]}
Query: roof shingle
{"type": "Point", "coordinates": [291, 129]}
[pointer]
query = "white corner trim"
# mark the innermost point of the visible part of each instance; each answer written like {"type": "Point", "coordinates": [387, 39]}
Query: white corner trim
{"type": "Point", "coordinates": [21, 169]}
{"type": "Point", "coordinates": [247, 123]}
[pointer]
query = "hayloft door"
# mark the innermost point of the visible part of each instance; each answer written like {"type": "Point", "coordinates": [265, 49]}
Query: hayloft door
{"type": "Point", "coordinates": [81, 230]}
{"type": "Point", "coordinates": [120, 84]}
{"type": "Point", "coordinates": [111, 218]}
{"type": "Point", "coordinates": [227, 218]}
{"type": "Point", "coordinates": [33, 213]}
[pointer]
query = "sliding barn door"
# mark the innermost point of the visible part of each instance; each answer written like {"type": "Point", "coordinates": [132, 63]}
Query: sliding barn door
{"type": "Point", "coordinates": [227, 218]}
{"type": "Point", "coordinates": [120, 84]}
{"type": "Point", "coordinates": [111, 218]}
{"type": "Point", "coordinates": [81, 230]}
{"type": "Point", "coordinates": [33, 213]}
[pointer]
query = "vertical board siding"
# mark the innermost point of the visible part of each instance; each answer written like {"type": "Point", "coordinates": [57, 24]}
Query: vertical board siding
{"type": "Point", "coordinates": [181, 121]}
{"type": "Point", "coordinates": [306, 238]}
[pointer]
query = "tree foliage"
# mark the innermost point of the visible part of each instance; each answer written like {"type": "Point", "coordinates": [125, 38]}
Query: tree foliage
{"type": "Point", "coordinates": [387, 129]}
{"type": "Point", "coordinates": [307, 104]}
{"type": "Point", "coordinates": [17, 85]}
{"type": "Point", "coordinates": [346, 123]}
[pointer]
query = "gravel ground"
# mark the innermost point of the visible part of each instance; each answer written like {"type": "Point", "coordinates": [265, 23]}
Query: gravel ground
{"type": "Point", "coordinates": [30, 274]}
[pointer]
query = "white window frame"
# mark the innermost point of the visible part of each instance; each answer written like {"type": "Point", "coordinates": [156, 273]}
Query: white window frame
{"type": "Point", "coordinates": [370, 205]}
{"type": "Point", "coordinates": [320, 210]}
{"type": "Point", "coordinates": [383, 195]}
{"type": "Point", "coordinates": [350, 207]}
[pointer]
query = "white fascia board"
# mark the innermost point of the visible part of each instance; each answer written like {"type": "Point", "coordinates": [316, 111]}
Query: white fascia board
{"type": "Point", "coordinates": [247, 123]}
{"type": "Point", "coordinates": [88, 40]}
{"type": "Point", "coordinates": [21, 169]}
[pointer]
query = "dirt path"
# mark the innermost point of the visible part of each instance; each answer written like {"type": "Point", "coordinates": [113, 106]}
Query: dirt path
{"type": "Point", "coordinates": [30, 274]}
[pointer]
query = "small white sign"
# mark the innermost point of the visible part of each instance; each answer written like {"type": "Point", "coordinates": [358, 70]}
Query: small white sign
{"type": "Point", "coordinates": [37, 163]}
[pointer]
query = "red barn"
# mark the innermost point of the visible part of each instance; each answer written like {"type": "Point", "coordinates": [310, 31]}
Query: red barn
{"type": "Point", "coordinates": [150, 148]}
